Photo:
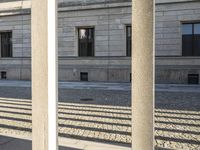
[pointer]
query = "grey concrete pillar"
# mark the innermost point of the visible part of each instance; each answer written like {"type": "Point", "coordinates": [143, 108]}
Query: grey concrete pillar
{"type": "Point", "coordinates": [44, 75]}
{"type": "Point", "coordinates": [142, 74]}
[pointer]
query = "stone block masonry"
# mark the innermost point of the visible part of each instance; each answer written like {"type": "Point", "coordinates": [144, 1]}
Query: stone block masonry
{"type": "Point", "coordinates": [109, 20]}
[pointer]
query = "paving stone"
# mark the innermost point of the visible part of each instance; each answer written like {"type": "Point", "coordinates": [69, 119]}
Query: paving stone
{"type": "Point", "coordinates": [108, 118]}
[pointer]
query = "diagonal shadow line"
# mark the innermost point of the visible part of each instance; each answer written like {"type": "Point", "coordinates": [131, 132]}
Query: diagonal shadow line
{"type": "Point", "coordinates": [65, 118]}
{"type": "Point", "coordinates": [15, 107]}
{"type": "Point", "coordinates": [95, 139]}
{"type": "Point", "coordinates": [95, 111]}
{"type": "Point", "coordinates": [16, 119]}
{"type": "Point", "coordinates": [110, 115]}
{"type": "Point", "coordinates": [23, 101]}
{"type": "Point", "coordinates": [15, 128]}
{"type": "Point", "coordinates": [161, 148]}
{"type": "Point", "coordinates": [66, 106]}
{"type": "Point", "coordinates": [175, 123]}
{"type": "Point", "coordinates": [68, 148]}
{"type": "Point", "coordinates": [172, 117]}
{"type": "Point", "coordinates": [180, 106]}
{"type": "Point", "coordinates": [95, 107]}
{"type": "Point", "coordinates": [92, 121]}
{"type": "Point", "coordinates": [178, 131]}
{"type": "Point", "coordinates": [18, 104]}
{"type": "Point", "coordinates": [89, 115]}
{"type": "Point", "coordinates": [177, 140]}
{"type": "Point", "coordinates": [178, 113]}
{"type": "Point", "coordinates": [6, 142]}
{"type": "Point", "coordinates": [95, 129]}
{"type": "Point", "coordinates": [13, 112]}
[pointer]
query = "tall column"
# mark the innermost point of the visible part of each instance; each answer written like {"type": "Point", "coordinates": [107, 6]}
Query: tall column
{"type": "Point", "coordinates": [142, 74]}
{"type": "Point", "coordinates": [44, 75]}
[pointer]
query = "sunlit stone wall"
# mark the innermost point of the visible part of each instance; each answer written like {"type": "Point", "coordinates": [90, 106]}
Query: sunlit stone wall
{"type": "Point", "coordinates": [109, 19]}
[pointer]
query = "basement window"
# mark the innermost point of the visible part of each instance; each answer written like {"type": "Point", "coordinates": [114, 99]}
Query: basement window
{"type": "Point", "coordinates": [84, 76]}
{"type": "Point", "coordinates": [193, 78]}
{"type": "Point", "coordinates": [3, 75]}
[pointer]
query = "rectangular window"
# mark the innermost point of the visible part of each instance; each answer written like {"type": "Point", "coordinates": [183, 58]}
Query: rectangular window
{"type": "Point", "coordinates": [6, 44]}
{"type": "Point", "coordinates": [191, 39]}
{"type": "Point", "coordinates": [3, 75]}
{"type": "Point", "coordinates": [86, 41]}
{"type": "Point", "coordinates": [84, 76]}
{"type": "Point", "coordinates": [128, 40]}
{"type": "Point", "coordinates": [193, 78]}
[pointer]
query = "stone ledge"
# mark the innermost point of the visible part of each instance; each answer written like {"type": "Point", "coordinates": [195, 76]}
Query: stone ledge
{"type": "Point", "coordinates": [178, 61]}
{"type": "Point", "coordinates": [174, 1]}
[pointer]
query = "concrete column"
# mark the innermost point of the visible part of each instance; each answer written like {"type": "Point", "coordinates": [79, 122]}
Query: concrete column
{"type": "Point", "coordinates": [44, 75]}
{"type": "Point", "coordinates": [143, 74]}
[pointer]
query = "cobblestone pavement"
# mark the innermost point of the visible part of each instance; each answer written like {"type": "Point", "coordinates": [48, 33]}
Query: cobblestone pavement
{"type": "Point", "coordinates": [107, 118]}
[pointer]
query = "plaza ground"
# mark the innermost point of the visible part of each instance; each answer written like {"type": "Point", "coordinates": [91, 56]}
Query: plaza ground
{"type": "Point", "coordinates": [99, 115]}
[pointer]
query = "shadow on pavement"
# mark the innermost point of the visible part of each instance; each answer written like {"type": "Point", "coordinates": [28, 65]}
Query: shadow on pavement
{"type": "Point", "coordinates": [159, 148]}
{"type": "Point", "coordinates": [9, 143]}
{"type": "Point", "coordinates": [107, 117]}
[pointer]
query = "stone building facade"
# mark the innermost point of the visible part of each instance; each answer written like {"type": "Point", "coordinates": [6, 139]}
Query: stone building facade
{"type": "Point", "coordinates": [94, 40]}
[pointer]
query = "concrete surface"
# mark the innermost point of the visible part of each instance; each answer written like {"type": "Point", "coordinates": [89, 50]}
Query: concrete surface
{"type": "Point", "coordinates": [11, 143]}
{"type": "Point", "coordinates": [107, 118]}
{"type": "Point", "coordinates": [106, 86]}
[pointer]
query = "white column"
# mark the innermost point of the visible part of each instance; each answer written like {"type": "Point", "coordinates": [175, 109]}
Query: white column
{"type": "Point", "coordinates": [44, 75]}
{"type": "Point", "coordinates": [143, 74]}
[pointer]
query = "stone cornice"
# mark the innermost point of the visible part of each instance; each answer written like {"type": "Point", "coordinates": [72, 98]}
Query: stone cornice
{"type": "Point", "coordinates": [95, 6]}
{"type": "Point", "coordinates": [16, 7]}
{"type": "Point", "coordinates": [5, 6]}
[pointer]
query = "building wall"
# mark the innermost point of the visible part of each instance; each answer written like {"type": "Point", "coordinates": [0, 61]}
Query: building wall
{"type": "Point", "coordinates": [110, 30]}
{"type": "Point", "coordinates": [109, 20]}
{"type": "Point", "coordinates": [171, 66]}
{"type": "Point", "coordinates": [110, 62]}
{"type": "Point", "coordinates": [17, 67]}
{"type": "Point", "coordinates": [169, 18]}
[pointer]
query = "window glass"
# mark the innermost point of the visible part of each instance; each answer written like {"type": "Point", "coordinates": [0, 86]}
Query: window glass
{"type": "Point", "coordinates": [86, 41]}
{"type": "Point", "coordinates": [187, 46]}
{"type": "Point", "coordinates": [82, 34]}
{"type": "Point", "coordinates": [129, 31]}
{"type": "Point", "coordinates": [186, 29]}
{"type": "Point", "coordinates": [197, 28]}
{"type": "Point", "coordinates": [191, 39]}
{"type": "Point", "coordinates": [6, 44]}
{"type": "Point", "coordinates": [90, 34]}
{"type": "Point", "coordinates": [196, 43]}
{"type": "Point", "coordinates": [128, 40]}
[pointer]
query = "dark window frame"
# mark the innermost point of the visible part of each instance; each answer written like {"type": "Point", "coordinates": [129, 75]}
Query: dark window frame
{"type": "Point", "coordinates": [193, 51]}
{"type": "Point", "coordinates": [93, 42]}
{"type": "Point", "coordinates": [128, 41]}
